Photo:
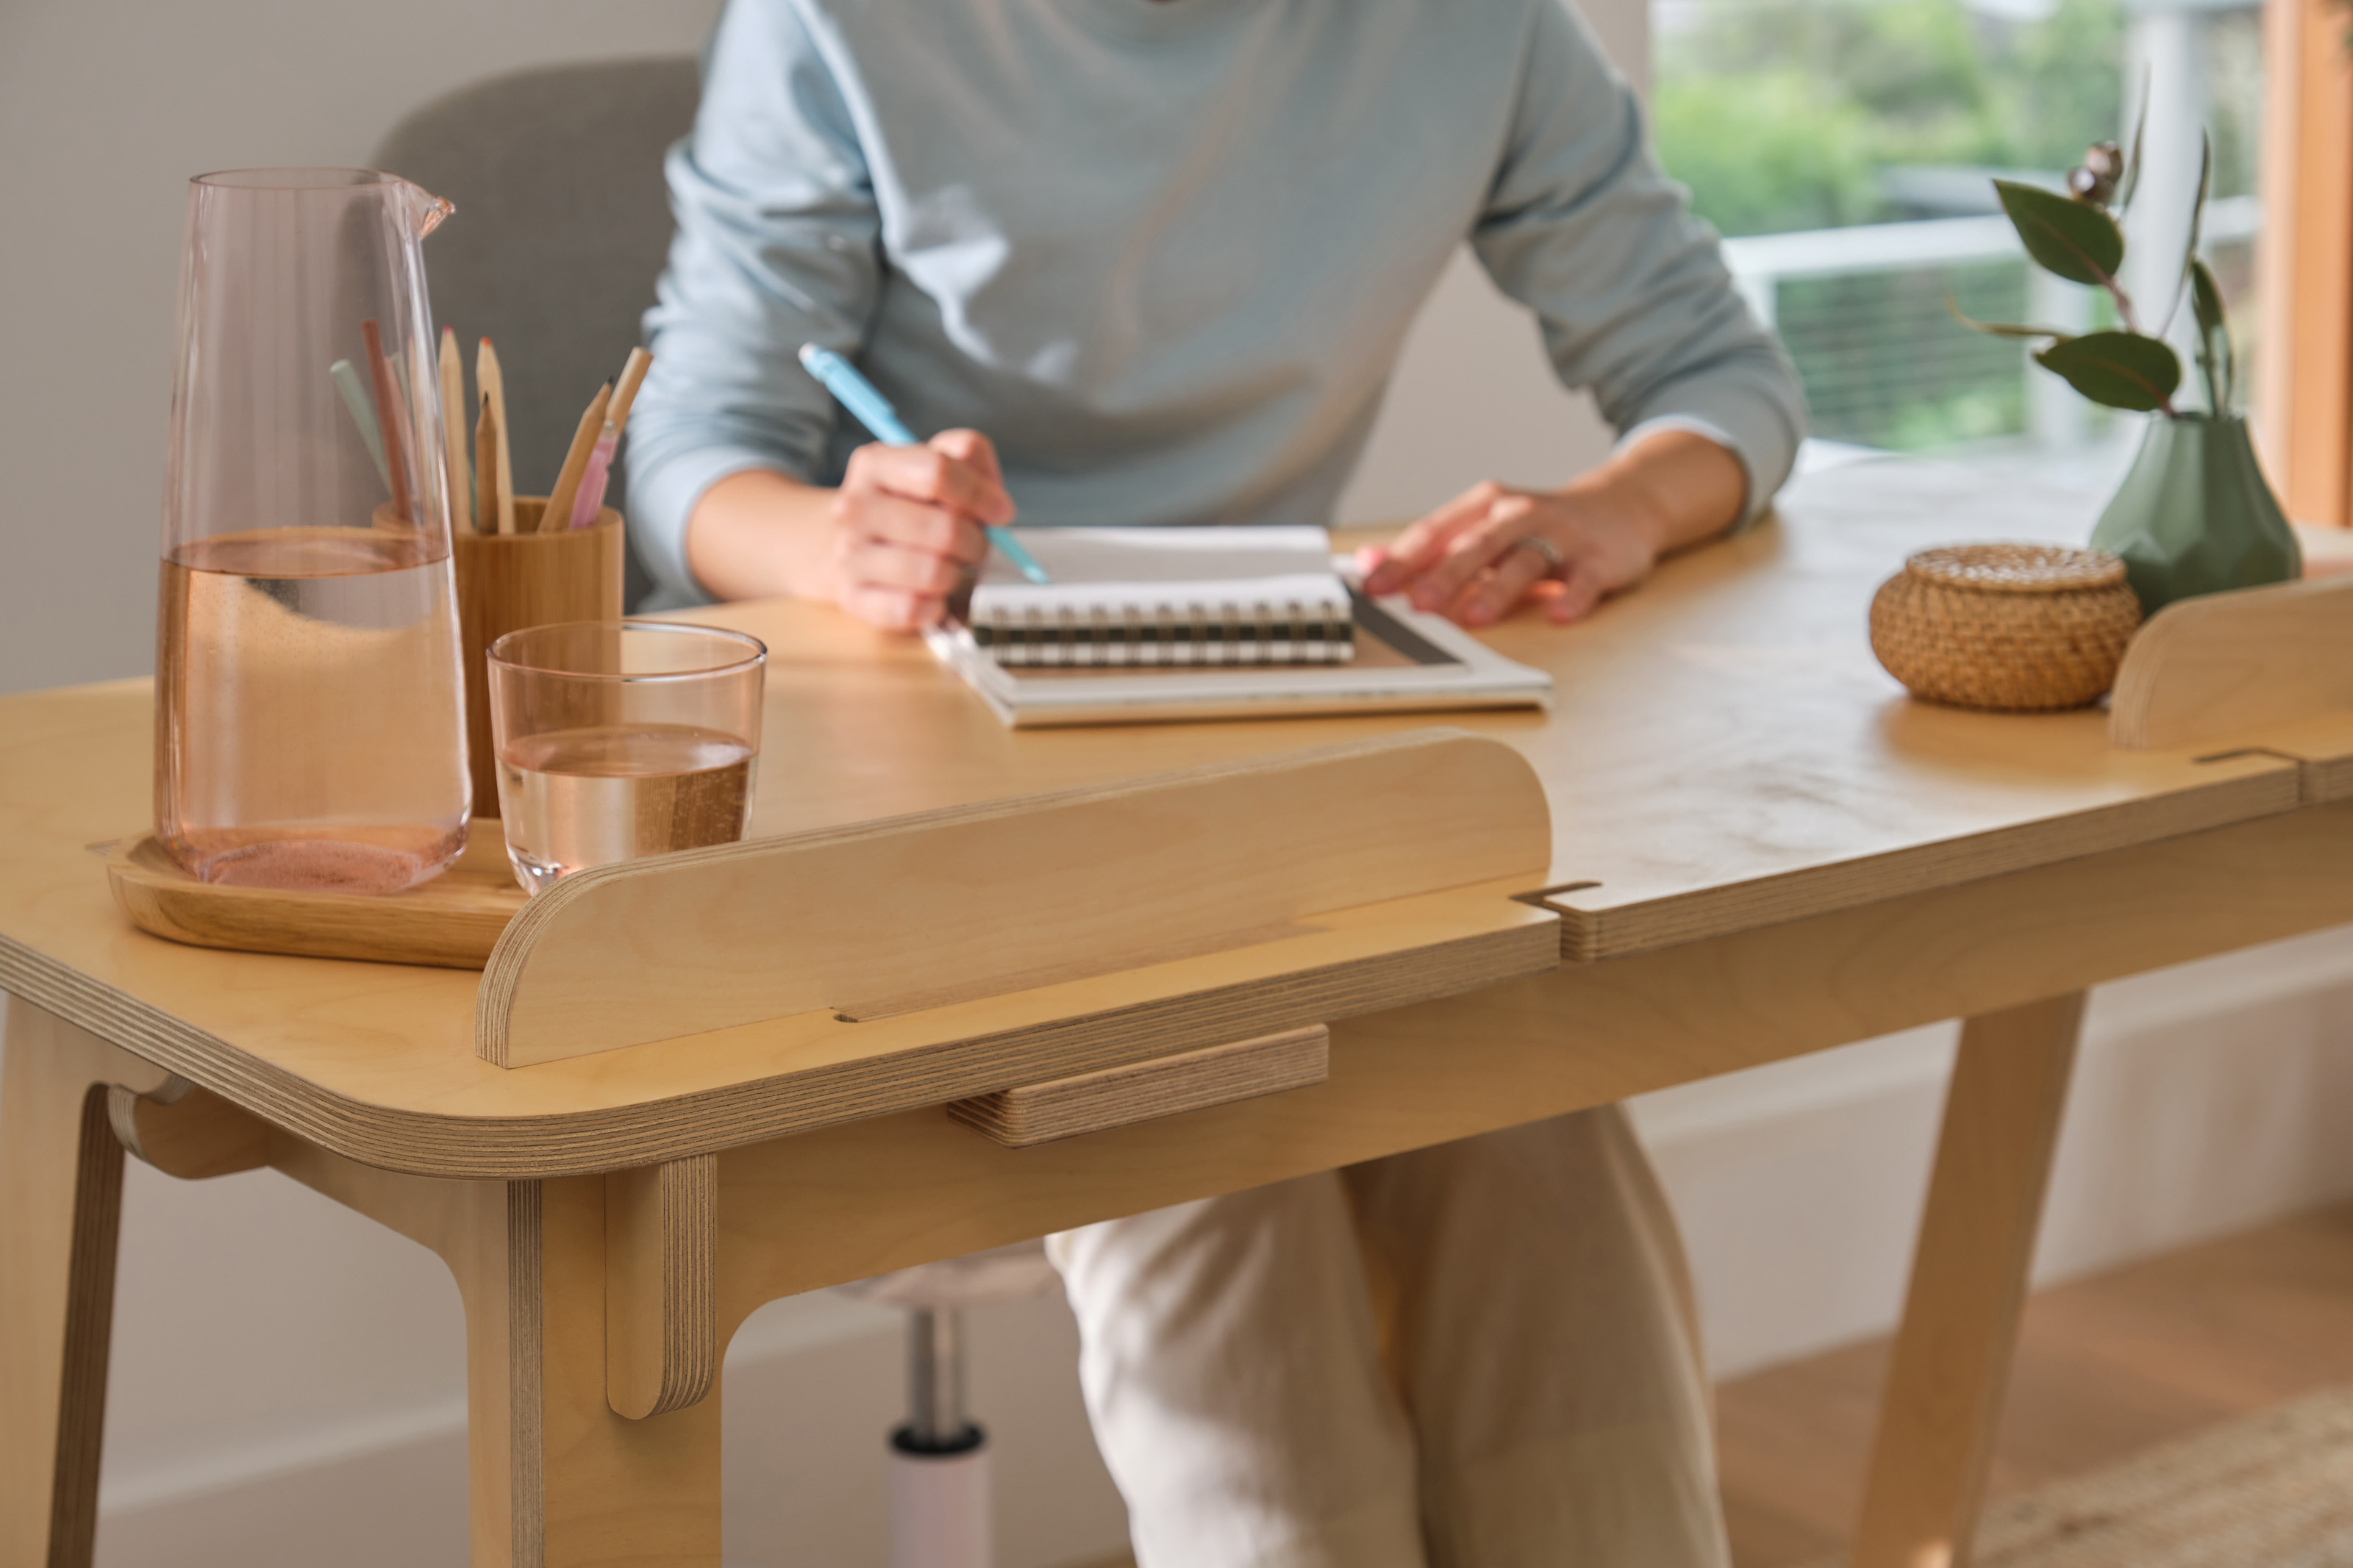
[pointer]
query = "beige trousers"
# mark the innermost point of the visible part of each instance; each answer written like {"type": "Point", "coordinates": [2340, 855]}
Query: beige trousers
{"type": "Point", "coordinates": [1480, 1355]}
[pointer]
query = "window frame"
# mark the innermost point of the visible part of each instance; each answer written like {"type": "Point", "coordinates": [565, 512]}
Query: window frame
{"type": "Point", "coordinates": [2306, 260]}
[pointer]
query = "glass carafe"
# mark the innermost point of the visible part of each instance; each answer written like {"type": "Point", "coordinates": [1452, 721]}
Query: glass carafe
{"type": "Point", "coordinates": [310, 724]}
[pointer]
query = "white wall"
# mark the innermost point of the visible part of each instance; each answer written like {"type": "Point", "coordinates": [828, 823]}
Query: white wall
{"type": "Point", "coordinates": [106, 107]}
{"type": "Point", "coordinates": [2205, 1099]}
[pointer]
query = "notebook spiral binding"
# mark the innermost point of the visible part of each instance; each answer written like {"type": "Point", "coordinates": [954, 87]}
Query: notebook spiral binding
{"type": "Point", "coordinates": [1222, 634]}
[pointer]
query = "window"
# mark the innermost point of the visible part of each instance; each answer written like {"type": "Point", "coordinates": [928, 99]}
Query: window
{"type": "Point", "coordinates": [1845, 148]}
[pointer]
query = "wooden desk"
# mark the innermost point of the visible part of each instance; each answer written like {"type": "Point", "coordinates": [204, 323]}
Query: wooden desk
{"type": "Point", "coordinates": [1761, 849]}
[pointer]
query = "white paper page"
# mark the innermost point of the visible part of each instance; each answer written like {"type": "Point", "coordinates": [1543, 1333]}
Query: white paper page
{"type": "Point", "coordinates": [1119, 569]}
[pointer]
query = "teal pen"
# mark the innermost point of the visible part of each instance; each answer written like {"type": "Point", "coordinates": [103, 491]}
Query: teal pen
{"type": "Point", "coordinates": [871, 409]}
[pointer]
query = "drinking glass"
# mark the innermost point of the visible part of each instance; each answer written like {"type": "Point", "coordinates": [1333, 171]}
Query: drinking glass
{"type": "Point", "coordinates": [622, 739]}
{"type": "Point", "coordinates": [309, 721]}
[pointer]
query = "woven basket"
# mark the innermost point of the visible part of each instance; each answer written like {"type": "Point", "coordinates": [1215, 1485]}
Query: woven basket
{"type": "Point", "coordinates": [2019, 628]}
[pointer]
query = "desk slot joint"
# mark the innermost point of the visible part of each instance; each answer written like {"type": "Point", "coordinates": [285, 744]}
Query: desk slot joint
{"type": "Point", "coordinates": [662, 1322]}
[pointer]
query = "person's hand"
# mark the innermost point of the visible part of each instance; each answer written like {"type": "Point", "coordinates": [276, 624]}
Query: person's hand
{"type": "Point", "coordinates": [907, 525]}
{"type": "Point", "coordinates": [1466, 560]}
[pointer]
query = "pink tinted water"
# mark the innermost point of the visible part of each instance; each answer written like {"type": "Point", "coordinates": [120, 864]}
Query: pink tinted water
{"type": "Point", "coordinates": [308, 730]}
{"type": "Point", "coordinates": [590, 796]}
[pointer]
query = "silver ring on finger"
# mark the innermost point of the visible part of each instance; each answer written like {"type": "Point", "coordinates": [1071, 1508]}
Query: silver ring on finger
{"type": "Point", "coordinates": [1544, 549]}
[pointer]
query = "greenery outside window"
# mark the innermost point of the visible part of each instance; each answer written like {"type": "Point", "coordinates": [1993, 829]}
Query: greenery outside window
{"type": "Point", "coordinates": [1866, 134]}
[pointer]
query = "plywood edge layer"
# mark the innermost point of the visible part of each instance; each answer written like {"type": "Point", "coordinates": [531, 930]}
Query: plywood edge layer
{"type": "Point", "coordinates": [1589, 934]}
{"type": "Point", "coordinates": [1031, 1114]}
{"type": "Point", "coordinates": [508, 1148]}
{"type": "Point", "coordinates": [661, 1255]}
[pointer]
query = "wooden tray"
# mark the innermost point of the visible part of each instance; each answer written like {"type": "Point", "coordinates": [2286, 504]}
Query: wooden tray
{"type": "Point", "coordinates": [452, 923]}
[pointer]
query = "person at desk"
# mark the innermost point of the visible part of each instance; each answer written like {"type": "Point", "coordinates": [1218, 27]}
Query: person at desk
{"type": "Point", "coordinates": [1164, 253]}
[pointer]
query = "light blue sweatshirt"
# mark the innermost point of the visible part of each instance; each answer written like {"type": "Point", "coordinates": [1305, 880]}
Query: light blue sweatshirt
{"type": "Point", "coordinates": [1162, 252]}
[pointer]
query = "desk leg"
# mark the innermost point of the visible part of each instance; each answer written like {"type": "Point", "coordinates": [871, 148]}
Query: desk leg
{"type": "Point", "coordinates": [1951, 1366]}
{"type": "Point", "coordinates": [555, 1479]}
{"type": "Point", "coordinates": [60, 1207]}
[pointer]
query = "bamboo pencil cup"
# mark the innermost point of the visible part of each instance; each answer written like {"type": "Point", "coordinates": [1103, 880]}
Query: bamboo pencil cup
{"type": "Point", "coordinates": [510, 581]}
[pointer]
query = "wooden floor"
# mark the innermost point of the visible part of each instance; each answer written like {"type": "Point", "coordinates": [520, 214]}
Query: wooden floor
{"type": "Point", "coordinates": [2106, 1366]}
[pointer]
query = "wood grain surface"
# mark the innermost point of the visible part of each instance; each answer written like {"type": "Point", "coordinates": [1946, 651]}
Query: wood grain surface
{"type": "Point", "coordinates": [1942, 1404]}
{"type": "Point", "coordinates": [451, 922]}
{"type": "Point", "coordinates": [60, 1209]}
{"type": "Point", "coordinates": [186, 1131]}
{"type": "Point", "coordinates": [2306, 391]}
{"type": "Point", "coordinates": [880, 920]}
{"type": "Point", "coordinates": [1723, 753]}
{"type": "Point", "coordinates": [512, 580]}
{"type": "Point", "coordinates": [1119, 1097]}
{"type": "Point", "coordinates": [2207, 668]}
{"type": "Point", "coordinates": [661, 1246]}
{"type": "Point", "coordinates": [556, 1476]}
{"type": "Point", "coordinates": [852, 1202]}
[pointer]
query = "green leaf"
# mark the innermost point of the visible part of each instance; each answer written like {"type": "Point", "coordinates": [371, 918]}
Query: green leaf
{"type": "Point", "coordinates": [2206, 300]}
{"type": "Point", "coordinates": [2074, 240]}
{"type": "Point", "coordinates": [2119, 370]}
{"type": "Point", "coordinates": [2197, 220]}
{"type": "Point", "coordinates": [2217, 355]}
{"type": "Point", "coordinates": [2131, 181]}
{"type": "Point", "coordinates": [1997, 329]}
{"type": "Point", "coordinates": [2205, 184]}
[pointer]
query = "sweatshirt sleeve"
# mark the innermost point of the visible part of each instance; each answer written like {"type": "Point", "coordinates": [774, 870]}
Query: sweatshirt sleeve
{"type": "Point", "coordinates": [777, 246]}
{"type": "Point", "coordinates": [1583, 227]}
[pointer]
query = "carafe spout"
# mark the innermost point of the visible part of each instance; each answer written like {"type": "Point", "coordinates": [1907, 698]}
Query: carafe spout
{"type": "Point", "coordinates": [426, 210]}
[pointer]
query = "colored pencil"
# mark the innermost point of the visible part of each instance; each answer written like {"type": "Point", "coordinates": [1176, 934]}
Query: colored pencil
{"type": "Point", "coordinates": [486, 470]}
{"type": "Point", "coordinates": [453, 432]}
{"type": "Point", "coordinates": [599, 474]}
{"type": "Point", "coordinates": [492, 388]}
{"type": "Point", "coordinates": [387, 419]}
{"type": "Point", "coordinates": [625, 390]}
{"type": "Point", "coordinates": [558, 515]}
{"type": "Point", "coordinates": [363, 411]}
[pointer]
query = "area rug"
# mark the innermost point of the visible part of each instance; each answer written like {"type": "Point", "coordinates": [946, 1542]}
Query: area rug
{"type": "Point", "coordinates": [2269, 1490]}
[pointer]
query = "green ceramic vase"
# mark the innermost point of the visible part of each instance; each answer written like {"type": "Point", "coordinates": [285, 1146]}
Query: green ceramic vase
{"type": "Point", "coordinates": [2195, 516]}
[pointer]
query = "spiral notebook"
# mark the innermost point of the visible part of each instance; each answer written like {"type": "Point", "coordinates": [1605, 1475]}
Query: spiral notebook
{"type": "Point", "coordinates": [1377, 655]}
{"type": "Point", "coordinates": [1125, 596]}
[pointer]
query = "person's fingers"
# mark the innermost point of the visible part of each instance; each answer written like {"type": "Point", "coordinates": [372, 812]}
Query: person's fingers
{"type": "Point", "coordinates": [916, 525]}
{"type": "Point", "coordinates": [1425, 540]}
{"type": "Point", "coordinates": [1579, 592]}
{"type": "Point", "coordinates": [973, 448]}
{"type": "Point", "coordinates": [893, 609]}
{"type": "Point", "coordinates": [879, 564]}
{"type": "Point", "coordinates": [1473, 550]}
{"type": "Point", "coordinates": [1422, 545]}
{"type": "Point", "coordinates": [928, 474]}
{"type": "Point", "coordinates": [1490, 595]}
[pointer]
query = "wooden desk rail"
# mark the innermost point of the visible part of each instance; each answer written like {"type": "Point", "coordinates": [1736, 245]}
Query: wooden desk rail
{"type": "Point", "coordinates": [2207, 668]}
{"type": "Point", "coordinates": [920, 913]}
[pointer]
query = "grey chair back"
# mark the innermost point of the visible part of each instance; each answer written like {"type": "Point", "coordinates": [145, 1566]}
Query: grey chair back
{"type": "Point", "coordinates": [562, 226]}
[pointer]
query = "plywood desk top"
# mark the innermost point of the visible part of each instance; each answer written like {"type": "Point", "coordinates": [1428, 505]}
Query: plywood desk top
{"type": "Point", "coordinates": [1723, 753]}
{"type": "Point", "coordinates": [1723, 749]}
